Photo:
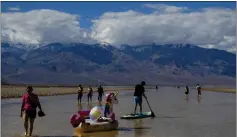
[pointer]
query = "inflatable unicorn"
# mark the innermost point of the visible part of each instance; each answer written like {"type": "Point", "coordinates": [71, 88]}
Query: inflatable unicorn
{"type": "Point", "coordinates": [85, 116]}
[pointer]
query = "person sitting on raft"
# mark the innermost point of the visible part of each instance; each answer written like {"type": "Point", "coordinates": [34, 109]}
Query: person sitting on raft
{"type": "Point", "coordinates": [139, 92]}
{"type": "Point", "coordinates": [100, 91]}
{"type": "Point", "coordinates": [80, 93]}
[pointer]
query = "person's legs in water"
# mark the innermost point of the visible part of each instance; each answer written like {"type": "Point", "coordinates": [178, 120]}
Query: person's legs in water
{"type": "Point", "coordinates": [79, 96]}
{"type": "Point", "coordinates": [31, 117]}
{"type": "Point", "coordinates": [88, 97]}
{"type": "Point", "coordinates": [26, 118]}
{"type": "Point", "coordinates": [31, 125]}
{"type": "Point", "coordinates": [136, 102]}
{"type": "Point", "coordinates": [140, 104]}
{"type": "Point", "coordinates": [100, 97]}
{"type": "Point", "coordinates": [91, 98]}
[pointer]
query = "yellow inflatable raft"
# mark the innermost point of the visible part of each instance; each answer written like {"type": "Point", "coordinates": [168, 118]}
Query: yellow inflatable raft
{"type": "Point", "coordinates": [92, 126]}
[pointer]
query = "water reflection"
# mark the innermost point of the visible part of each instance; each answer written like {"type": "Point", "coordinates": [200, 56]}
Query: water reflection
{"type": "Point", "coordinates": [198, 100]}
{"type": "Point", "coordinates": [138, 127]}
{"type": "Point", "coordinates": [80, 107]}
{"type": "Point", "coordinates": [98, 134]}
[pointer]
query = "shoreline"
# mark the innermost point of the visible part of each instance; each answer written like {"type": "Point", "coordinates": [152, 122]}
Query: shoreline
{"type": "Point", "coordinates": [10, 92]}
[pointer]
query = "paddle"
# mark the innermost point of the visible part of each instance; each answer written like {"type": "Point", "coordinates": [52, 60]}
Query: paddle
{"type": "Point", "coordinates": [152, 113]}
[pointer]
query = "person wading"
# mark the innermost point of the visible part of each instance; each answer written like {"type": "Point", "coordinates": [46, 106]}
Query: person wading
{"type": "Point", "coordinates": [198, 90]}
{"type": "Point", "coordinates": [186, 92]}
{"type": "Point", "coordinates": [90, 93]}
{"type": "Point", "coordinates": [139, 92]}
{"type": "Point", "coordinates": [80, 93]}
{"type": "Point", "coordinates": [100, 91]}
{"type": "Point", "coordinates": [30, 102]}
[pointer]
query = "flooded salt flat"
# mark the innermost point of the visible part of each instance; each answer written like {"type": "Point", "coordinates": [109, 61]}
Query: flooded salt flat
{"type": "Point", "coordinates": [211, 116]}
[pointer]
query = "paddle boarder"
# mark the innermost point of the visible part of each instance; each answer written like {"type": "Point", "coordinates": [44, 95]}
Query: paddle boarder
{"type": "Point", "coordinates": [80, 93]}
{"type": "Point", "coordinates": [30, 102]}
{"type": "Point", "coordinates": [139, 92]}
{"type": "Point", "coordinates": [198, 90]}
{"type": "Point", "coordinates": [100, 91]}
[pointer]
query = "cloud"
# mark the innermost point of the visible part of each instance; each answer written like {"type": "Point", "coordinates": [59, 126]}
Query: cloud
{"type": "Point", "coordinates": [208, 28]}
{"type": "Point", "coordinates": [13, 9]}
{"type": "Point", "coordinates": [42, 26]}
{"type": "Point", "coordinates": [165, 8]}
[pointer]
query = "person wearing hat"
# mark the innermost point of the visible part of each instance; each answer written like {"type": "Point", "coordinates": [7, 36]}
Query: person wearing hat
{"type": "Point", "coordinates": [100, 91]}
{"type": "Point", "coordinates": [30, 102]}
{"type": "Point", "coordinates": [139, 92]}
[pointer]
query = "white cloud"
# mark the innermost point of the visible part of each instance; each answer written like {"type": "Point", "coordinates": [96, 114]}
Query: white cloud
{"type": "Point", "coordinates": [165, 8]}
{"type": "Point", "coordinates": [210, 26]}
{"type": "Point", "coordinates": [13, 9]}
{"type": "Point", "coordinates": [42, 26]}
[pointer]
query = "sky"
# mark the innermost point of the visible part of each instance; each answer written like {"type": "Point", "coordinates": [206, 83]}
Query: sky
{"type": "Point", "coordinates": [206, 24]}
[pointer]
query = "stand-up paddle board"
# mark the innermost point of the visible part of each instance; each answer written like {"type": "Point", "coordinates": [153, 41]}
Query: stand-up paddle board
{"type": "Point", "coordinates": [137, 115]}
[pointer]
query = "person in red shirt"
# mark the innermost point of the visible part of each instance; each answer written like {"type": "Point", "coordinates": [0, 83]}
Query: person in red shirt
{"type": "Point", "coordinates": [30, 102]}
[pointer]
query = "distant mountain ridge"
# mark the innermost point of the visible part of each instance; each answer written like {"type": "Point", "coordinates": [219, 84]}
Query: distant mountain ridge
{"type": "Point", "coordinates": [123, 65]}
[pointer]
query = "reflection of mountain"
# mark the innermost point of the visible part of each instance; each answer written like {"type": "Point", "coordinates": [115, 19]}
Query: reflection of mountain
{"type": "Point", "coordinates": [81, 63]}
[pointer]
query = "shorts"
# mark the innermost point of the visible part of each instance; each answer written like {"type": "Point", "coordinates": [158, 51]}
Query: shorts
{"type": "Point", "coordinates": [31, 113]}
{"type": "Point", "coordinates": [137, 100]}
{"type": "Point", "coordinates": [186, 93]}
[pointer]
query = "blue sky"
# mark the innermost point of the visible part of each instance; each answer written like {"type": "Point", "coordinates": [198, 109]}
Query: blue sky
{"type": "Point", "coordinates": [92, 10]}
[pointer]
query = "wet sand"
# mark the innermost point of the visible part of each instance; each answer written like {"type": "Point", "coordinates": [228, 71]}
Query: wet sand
{"type": "Point", "coordinates": [211, 116]}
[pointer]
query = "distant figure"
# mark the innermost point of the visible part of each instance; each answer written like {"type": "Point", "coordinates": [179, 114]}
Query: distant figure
{"type": "Point", "coordinates": [139, 92]}
{"type": "Point", "coordinates": [198, 90]}
{"type": "Point", "coordinates": [80, 93]}
{"type": "Point", "coordinates": [90, 93]}
{"type": "Point", "coordinates": [156, 88]}
{"type": "Point", "coordinates": [30, 102]}
{"type": "Point", "coordinates": [186, 91]}
{"type": "Point", "coordinates": [100, 91]}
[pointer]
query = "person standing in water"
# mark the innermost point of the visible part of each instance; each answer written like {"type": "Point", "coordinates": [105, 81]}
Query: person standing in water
{"type": "Point", "coordinates": [186, 91]}
{"type": "Point", "coordinates": [198, 90]}
{"type": "Point", "coordinates": [80, 93]}
{"type": "Point", "coordinates": [100, 91]}
{"type": "Point", "coordinates": [90, 93]}
{"type": "Point", "coordinates": [30, 102]}
{"type": "Point", "coordinates": [139, 92]}
{"type": "Point", "coordinates": [156, 88]}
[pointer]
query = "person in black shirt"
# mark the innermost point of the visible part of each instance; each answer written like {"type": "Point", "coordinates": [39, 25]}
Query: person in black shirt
{"type": "Point", "coordinates": [100, 91]}
{"type": "Point", "coordinates": [186, 91]}
{"type": "Point", "coordinates": [139, 92]}
{"type": "Point", "coordinates": [79, 93]}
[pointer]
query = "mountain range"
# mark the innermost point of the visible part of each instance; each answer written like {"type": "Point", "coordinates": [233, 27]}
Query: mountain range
{"type": "Point", "coordinates": [77, 63]}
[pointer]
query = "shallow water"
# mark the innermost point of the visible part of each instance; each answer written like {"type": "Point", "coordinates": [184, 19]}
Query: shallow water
{"type": "Point", "coordinates": [211, 116]}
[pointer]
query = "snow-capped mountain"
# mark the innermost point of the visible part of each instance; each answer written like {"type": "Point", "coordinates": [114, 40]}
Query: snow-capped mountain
{"type": "Point", "coordinates": [82, 63]}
